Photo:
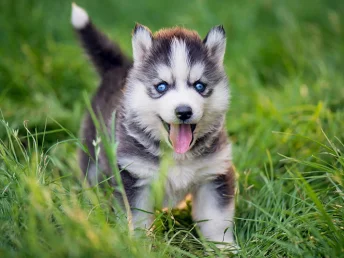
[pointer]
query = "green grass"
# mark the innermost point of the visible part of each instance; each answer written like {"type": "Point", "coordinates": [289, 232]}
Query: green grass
{"type": "Point", "coordinates": [285, 63]}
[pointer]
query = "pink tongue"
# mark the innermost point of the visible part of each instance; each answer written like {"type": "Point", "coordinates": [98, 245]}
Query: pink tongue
{"type": "Point", "coordinates": [181, 137]}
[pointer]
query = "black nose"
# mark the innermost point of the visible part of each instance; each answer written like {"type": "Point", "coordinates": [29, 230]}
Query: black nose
{"type": "Point", "coordinates": [183, 112]}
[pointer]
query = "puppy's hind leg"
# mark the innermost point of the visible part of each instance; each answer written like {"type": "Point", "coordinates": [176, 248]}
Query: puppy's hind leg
{"type": "Point", "coordinates": [213, 205]}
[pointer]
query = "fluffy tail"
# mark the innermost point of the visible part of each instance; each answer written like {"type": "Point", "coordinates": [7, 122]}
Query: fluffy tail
{"type": "Point", "coordinates": [104, 54]}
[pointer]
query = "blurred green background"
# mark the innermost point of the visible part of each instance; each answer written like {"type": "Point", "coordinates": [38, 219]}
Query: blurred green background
{"type": "Point", "coordinates": [280, 55]}
{"type": "Point", "coordinates": [285, 61]}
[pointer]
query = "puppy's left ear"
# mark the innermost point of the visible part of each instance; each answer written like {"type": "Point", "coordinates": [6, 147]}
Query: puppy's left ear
{"type": "Point", "coordinates": [142, 42]}
{"type": "Point", "coordinates": [215, 41]}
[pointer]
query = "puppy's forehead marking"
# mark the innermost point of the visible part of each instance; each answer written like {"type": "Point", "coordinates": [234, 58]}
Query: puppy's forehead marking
{"type": "Point", "coordinates": [179, 59]}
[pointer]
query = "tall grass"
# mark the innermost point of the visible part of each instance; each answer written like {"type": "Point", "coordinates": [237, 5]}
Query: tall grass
{"type": "Point", "coordinates": [285, 63]}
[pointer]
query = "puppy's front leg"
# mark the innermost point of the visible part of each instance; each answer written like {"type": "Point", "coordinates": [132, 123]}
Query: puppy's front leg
{"type": "Point", "coordinates": [138, 195]}
{"type": "Point", "coordinates": [213, 204]}
{"type": "Point", "coordinates": [142, 209]}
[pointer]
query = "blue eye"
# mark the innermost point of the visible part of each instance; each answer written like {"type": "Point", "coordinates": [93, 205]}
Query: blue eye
{"type": "Point", "coordinates": [161, 87]}
{"type": "Point", "coordinates": [200, 87]}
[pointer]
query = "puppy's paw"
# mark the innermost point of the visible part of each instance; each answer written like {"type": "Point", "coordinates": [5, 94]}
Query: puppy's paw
{"type": "Point", "coordinates": [228, 247]}
{"type": "Point", "coordinates": [222, 249]}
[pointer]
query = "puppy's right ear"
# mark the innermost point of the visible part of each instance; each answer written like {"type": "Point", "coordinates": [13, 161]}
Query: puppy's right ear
{"type": "Point", "coordinates": [215, 41]}
{"type": "Point", "coordinates": [142, 42]}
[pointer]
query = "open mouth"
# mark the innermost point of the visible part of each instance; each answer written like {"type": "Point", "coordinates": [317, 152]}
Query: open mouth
{"type": "Point", "coordinates": [180, 135]}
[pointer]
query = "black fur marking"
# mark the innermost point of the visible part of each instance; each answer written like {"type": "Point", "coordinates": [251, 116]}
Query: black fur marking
{"type": "Point", "coordinates": [196, 51]}
{"type": "Point", "coordinates": [211, 141]}
{"type": "Point", "coordinates": [129, 181]}
{"type": "Point", "coordinates": [207, 144]}
{"type": "Point", "coordinates": [134, 146]}
{"type": "Point", "coordinates": [104, 54]}
{"type": "Point", "coordinates": [105, 101]}
{"type": "Point", "coordinates": [160, 53]}
{"type": "Point", "coordinates": [138, 130]}
{"type": "Point", "coordinates": [224, 186]}
{"type": "Point", "coordinates": [221, 29]}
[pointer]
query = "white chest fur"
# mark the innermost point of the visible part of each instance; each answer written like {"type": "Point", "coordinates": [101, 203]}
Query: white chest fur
{"type": "Point", "coordinates": [182, 174]}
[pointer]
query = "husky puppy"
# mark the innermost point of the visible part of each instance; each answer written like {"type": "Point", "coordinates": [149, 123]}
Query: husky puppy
{"type": "Point", "coordinates": [175, 90]}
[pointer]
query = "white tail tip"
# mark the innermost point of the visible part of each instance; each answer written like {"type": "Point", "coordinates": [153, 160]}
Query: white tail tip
{"type": "Point", "coordinates": [79, 17]}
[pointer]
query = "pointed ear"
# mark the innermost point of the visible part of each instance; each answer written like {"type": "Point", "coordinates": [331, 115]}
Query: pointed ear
{"type": "Point", "coordinates": [142, 42]}
{"type": "Point", "coordinates": [215, 41]}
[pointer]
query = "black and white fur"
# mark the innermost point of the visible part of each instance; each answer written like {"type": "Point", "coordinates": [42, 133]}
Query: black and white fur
{"type": "Point", "coordinates": [179, 57]}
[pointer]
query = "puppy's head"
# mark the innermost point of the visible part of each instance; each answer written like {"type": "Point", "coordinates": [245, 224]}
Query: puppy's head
{"type": "Point", "coordinates": [178, 89]}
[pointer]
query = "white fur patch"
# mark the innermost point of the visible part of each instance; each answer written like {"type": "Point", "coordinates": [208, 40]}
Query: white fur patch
{"type": "Point", "coordinates": [164, 73]}
{"type": "Point", "coordinates": [219, 100]}
{"type": "Point", "coordinates": [179, 60]}
{"type": "Point", "coordinates": [196, 72]}
{"type": "Point", "coordinates": [142, 219]}
{"type": "Point", "coordinates": [79, 17]}
{"type": "Point", "coordinates": [139, 101]}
